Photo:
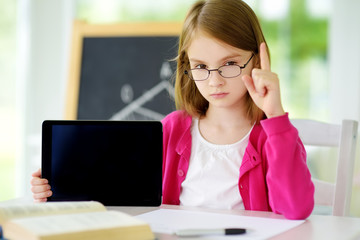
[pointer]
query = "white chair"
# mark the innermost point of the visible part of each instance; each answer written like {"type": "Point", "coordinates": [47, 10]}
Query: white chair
{"type": "Point", "coordinates": [314, 133]}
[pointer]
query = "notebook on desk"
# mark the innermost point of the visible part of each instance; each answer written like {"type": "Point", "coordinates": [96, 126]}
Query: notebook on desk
{"type": "Point", "coordinates": [118, 163]}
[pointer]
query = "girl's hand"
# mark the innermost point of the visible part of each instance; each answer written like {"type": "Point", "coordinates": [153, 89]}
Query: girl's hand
{"type": "Point", "coordinates": [263, 86]}
{"type": "Point", "coordinates": [40, 187]}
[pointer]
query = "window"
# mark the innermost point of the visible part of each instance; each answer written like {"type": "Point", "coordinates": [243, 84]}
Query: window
{"type": "Point", "coordinates": [7, 98]}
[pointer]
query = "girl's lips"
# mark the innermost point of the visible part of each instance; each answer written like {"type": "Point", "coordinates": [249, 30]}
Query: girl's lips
{"type": "Point", "coordinates": [219, 95]}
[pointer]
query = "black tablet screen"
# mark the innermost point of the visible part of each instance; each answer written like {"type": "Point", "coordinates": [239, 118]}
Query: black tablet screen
{"type": "Point", "coordinates": [118, 163]}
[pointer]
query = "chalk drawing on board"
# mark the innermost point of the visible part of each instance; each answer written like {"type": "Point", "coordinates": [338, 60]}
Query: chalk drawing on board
{"type": "Point", "coordinates": [126, 93]}
{"type": "Point", "coordinates": [135, 110]}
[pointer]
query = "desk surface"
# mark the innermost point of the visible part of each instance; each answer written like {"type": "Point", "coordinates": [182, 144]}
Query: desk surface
{"type": "Point", "coordinates": [315, 227]}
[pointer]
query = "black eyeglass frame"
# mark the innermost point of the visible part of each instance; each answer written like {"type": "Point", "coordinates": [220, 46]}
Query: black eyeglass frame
{"type": "Point", "coordinates": [218, 70]}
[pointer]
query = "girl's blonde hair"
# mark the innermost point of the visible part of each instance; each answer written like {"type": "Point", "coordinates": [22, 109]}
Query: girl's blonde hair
{"type": "Point", "coordinates": [231, 21]}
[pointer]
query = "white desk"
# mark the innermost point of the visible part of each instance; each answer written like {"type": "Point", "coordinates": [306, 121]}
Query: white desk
{"type": "Point", "coordinates": [315, 227]}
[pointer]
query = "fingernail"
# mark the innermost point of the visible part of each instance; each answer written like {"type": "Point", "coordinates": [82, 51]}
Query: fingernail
{"type": "Point", "coordinates": [49, 193]}
{"type": "Point", "coordinates": [46, 181]}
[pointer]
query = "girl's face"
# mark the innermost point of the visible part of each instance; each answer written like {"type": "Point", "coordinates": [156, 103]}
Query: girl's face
{"type": "Point", "coordinates": [209, 53]}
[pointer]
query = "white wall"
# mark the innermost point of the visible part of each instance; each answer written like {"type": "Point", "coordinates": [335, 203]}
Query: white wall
{"type": "Point", "coordinates": [44, 30]}
{"type": "Point", "coordinates": [344, 60]}
{"type": "Point", "coordinates": [344, 74]}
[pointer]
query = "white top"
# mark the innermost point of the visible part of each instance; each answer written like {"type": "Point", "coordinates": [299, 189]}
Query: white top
{"type": "Point", "coordinates": [213, 174]}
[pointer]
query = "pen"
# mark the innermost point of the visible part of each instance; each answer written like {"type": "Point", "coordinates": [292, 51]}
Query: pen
{"type": "Point", "coordinates": [209, 231]}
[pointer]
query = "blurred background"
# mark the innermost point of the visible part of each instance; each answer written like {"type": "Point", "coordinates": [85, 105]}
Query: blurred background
{"type": "Point", "coordinates": [314, 45]}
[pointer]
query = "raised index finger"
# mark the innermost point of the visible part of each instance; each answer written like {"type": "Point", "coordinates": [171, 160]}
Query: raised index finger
{"type": "Point", "coordinates": [264, 57]}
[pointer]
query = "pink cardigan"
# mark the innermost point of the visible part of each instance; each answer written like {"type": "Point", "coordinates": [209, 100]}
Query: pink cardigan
{"type": "Point", "coordinates": [273, 174]}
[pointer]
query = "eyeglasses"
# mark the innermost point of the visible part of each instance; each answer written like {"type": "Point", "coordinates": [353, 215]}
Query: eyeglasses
{"type": "Point", "coordinates": [226, 71]}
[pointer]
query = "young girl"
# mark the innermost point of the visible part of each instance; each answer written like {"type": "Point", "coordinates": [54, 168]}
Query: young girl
{"type": "Point", "coordinates": [230, 145]}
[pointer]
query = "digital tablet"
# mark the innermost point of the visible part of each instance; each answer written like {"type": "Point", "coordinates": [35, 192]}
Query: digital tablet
{"type": "Point", "coordinates": [118, 163]}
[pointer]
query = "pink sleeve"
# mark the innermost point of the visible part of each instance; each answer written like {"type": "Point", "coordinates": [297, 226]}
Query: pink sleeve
{"type": "Point", "coordinates": [291, 191]}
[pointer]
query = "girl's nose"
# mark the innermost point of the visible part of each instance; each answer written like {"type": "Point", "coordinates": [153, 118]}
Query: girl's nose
{"type": "Point", "coordinates": [215, 79]}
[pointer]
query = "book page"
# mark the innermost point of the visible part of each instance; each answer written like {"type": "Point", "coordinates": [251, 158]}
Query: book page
{"type": "Point", "coordinates": [19, 210]}
{"type": "Point", "coordinates": [76, 222]}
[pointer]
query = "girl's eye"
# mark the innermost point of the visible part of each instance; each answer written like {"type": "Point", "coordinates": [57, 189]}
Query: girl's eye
{"type": "Point", "coordinates": [201, 66]}
{"type": "Point", "coordinates": [230, 63]}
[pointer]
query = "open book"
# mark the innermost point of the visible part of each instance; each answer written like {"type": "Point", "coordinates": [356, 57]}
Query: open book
{"type": "Point", "coordinates": [69, 220]}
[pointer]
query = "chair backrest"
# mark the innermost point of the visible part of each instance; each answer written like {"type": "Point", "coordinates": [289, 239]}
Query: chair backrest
{"type": "Point", "coordinates": [315, 133]}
